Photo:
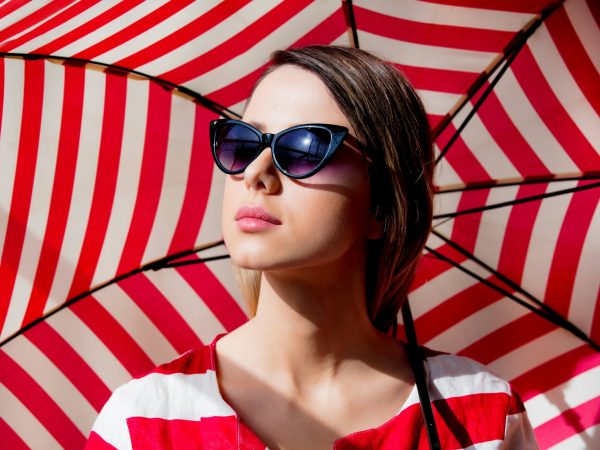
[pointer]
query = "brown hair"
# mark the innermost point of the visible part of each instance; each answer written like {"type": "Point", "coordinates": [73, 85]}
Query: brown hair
{"type": "Point", "coordinates": [390, 121]}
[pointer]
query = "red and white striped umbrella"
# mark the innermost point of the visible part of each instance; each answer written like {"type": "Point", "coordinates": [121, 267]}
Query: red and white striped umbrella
{"type": "Point", "coordinates": [105, 169]}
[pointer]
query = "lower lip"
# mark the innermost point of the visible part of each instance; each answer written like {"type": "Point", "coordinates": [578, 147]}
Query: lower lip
{"type": "Point", "coordinates": [251, 224]}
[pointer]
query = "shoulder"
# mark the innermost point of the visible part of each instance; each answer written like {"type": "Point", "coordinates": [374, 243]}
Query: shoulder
{"type": "Point", "coordinates": [163, 394]}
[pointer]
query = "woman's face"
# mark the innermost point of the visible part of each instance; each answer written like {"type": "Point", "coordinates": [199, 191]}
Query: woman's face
{"type": "Point", "coordinates": [313, 222]}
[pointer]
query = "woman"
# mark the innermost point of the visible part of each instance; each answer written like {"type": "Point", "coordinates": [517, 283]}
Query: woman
{"type": "Point", "coordinates": [326, 226]}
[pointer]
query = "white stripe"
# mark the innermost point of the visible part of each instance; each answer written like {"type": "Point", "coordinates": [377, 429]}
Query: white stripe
{"type": "Point", "coordinates": [12, 110]}
{"type": "Point", "coordinates": [445, 175]}
{"type": "Point", "coordinates": [531, 126]}
{"type": "Point", "coordinates": [83, 187]}
{"type": "Point", "coordinates": [449, 283]}
{"type": "Point", "coordinates": [427, 56]}
{"type": "Point", "coordinates": [584, 440]}
{"type": "Point", "coordinates": [211, 38]}
{"type": "Point", "coordinates": [113, 27]}
{"type": "Point", "coordinates": [40, 196]}
{"type": "Point", "coordinates": [223, 271]}
{"type": "Point", "coordinates": [160, 31]}
{"type": "Point", "coordinates": [90, 348]}
{"type": "Point", "coordinates": [185, 300]}
{"type": "Point", "coordinates": [24, 423]}
{"type": "Point", "coordinates": [64, 28]}
{"type": "Point", "coordinates": [53, 382]}
{"type": "Point", "coordinates": [542, 244]}
{"type": "Point", "coordinates": [282, 37]}
{"type": "Point", "coordinates": [484, 148]}
{"type": "Point", "coordinates": [138, 325]}
{"type": "Point", "coordinates": [552, 403]}
{"type": "Point", "coordinates": [564, 85]}
{"type": "Point", "coordinates": [128, 178]}
{"type": "Point", "coordinates": [211, 230]}
{"type": "Point", "coordinates": [459, 16]}
{"type": "Point", "coordinates": [492, 230]}
{"type": "Point", "coordinates": [176, 173]}
{"type": "Point", "coordinates": [587, 282]}
{"type": "Point", "coordinates": [586, 28]}
{"type": "Point", "coordinates": [147, 397]}
{"type": "Point", "coordinates": [438, 103]}
{"type": "Point", "coordinates": [534, 353]}
{"type": "Point", "coordinates": [37, 24]}
{"type": "Point", "coordinates": [477, 326]}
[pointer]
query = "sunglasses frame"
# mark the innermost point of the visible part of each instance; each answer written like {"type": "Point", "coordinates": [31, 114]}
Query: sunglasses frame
{"type": "Point", "coordinates": [338, 134]}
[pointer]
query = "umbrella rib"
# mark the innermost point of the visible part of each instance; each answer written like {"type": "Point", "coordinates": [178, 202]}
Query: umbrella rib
{"type": "Point", "coordinates": [505, 183]}
{"type": "Point", "coordinates": [209, 104]}
{"type": "Point", "coordinates": [348, 8]}
{"type": "Point", "coordinates": [155, 265]}
{"type": "Point", "coordinates": [510, 53]}
{"type": "Point", "coordinates": [516, 201]}
{"type": "Point", "coordinates": [549, 315]}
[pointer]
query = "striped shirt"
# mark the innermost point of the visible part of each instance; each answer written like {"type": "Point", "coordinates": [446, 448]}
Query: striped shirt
{"type": "Point", "coordinates": [179, 406]}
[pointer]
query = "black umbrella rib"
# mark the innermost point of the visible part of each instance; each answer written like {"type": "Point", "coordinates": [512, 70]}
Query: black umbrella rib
{"type": "Point", "coordinates": [209, 104]}
{"type": "Point", "coordinates": [510, 53]}
{"type": "Point", "coordinates": [553, 317]}
{"type": "Point", "coordinates": [156, 265]}
{"type": "Point", "coordinates": [516, 201]}
{"type": "Point", "coordinates": [491, 184]}
{"type": "Point", "coordinates": [351, 21]}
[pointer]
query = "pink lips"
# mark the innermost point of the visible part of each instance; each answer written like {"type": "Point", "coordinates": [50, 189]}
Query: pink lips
{"type": "Point", "coordinates": [254, 218]}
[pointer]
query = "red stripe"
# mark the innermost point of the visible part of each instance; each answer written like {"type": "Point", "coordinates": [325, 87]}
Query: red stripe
{"type": "Point", "coordinates": [594, 8]}
{"type": "Point", "coordinates": [508, 338]}
{"type": "Point", "coordinates": [135, 29]}
{"type": "Point", "coordinates": [23, 185]}
{"type": "Point", "coordinates": [105, 183]}
{"type": "Point", "coordinates": [10, 439]}
{"type": "Point", "coordinates": [68, 361]}
{"type": "Point", "coordinates": [214, 295]}
{"type": "Point", "coordinates": [440, 80]}
{"type": "Point", "coordinates": [595, 333]}
{"type": "Point", "coordinates": [568, 423]}
{"type": "Point", "coordinates": [530, 6]}
{"type": "Point", "coordinates": [35, 17]}
{"type": "Point", "coordinates": [552, 112]}
{"type": "Point", "coordinates": [39, 403]}
{"type": "Point", "coordinates": [151, 177]}
{"type": "Point", "coordinates": [431, 266]}
{"type": "Point", "coordinates": [197, 189]}
{"type": "Point", "coordinates": [569, 245]}
{"type": "Point", "coordinates": [509, 138]}
{"type": "Point", "coordinates": [455, 309]}
{"type": "Point", "coordinates": [95, 442]}
{"type": "Point", "coordinates": [160, 312]}
{"type": "Point", "coordinates": [90, 26]}
{"type": "Point", "coordinates": [464, 38]}
{"type": "Point", "coordinates": [556, 371]}
{"type": "Point", "coordinates": [11, 6]}
{"type": "Point", "coordinates": [2, 87]}
{"type": "Point", "coordinates": [237, 44]}
{"type": "Point", "coordinates": [183, 35]}
{"type": "Point", "coordinates": [54, 22]}
{"type": "Point", "coordinates": [466, 227]}
{"type": "Point", "coordinates": [518, 232]}
{"type": "Point", "coordinates": [113, 335]}
{"type": "Point", "coordinates": [575, 57]}
{"type": "Point", "coordinates": [62, 190]}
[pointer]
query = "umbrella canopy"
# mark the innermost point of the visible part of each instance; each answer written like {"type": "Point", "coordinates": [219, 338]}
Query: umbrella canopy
{"type": "Point", "coordinates": [105, 168]}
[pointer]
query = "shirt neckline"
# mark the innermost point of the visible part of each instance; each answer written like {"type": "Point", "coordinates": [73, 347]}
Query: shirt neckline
{"type": "Point", "coordinates": [413, 398]}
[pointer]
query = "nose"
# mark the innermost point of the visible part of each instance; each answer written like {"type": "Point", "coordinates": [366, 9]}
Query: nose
{"type": "Point", "coordinates": [262, 175]}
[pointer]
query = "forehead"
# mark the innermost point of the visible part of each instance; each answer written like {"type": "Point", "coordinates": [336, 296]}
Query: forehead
{"type": "Point", "coordinates": [291, 96]}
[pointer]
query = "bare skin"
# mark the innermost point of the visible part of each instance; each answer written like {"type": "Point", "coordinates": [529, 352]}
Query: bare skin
{"type": "Point", "coordinates": [310, 367]}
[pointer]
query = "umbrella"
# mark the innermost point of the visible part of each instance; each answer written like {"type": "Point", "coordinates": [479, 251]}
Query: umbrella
{"type": "Point", "coordinates": [104, 170]}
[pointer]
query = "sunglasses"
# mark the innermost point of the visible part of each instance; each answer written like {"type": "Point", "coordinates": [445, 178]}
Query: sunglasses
{"type": "Point", "coordinates": [297, 152]}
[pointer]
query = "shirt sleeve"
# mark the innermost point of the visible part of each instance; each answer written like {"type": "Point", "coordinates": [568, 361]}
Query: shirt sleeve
{"type": "Point", "coordinates": [518, 433]}
{"type": "Point", "coordinates": [110, 430]}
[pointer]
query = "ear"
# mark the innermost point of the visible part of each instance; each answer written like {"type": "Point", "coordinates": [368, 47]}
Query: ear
{"type": "Point", "coordinates": [375, 228]}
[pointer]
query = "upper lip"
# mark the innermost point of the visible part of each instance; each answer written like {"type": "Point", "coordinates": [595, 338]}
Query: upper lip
{"type": "Point", "coordinates": [255, 212]}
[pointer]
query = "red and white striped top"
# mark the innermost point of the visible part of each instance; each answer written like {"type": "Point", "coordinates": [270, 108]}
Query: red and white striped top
{"type": "Point", "coordinates": [179, 405]}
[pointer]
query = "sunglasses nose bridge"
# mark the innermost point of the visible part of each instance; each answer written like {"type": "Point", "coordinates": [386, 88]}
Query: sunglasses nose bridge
{"type": "Point", "coordinates": [267, 140]}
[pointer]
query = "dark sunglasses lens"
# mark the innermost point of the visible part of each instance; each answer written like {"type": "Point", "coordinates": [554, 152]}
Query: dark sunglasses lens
{"type": "Point", "coordinates": [300, 151]}
{"type": "Point", "coordinates": [236, 146]}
